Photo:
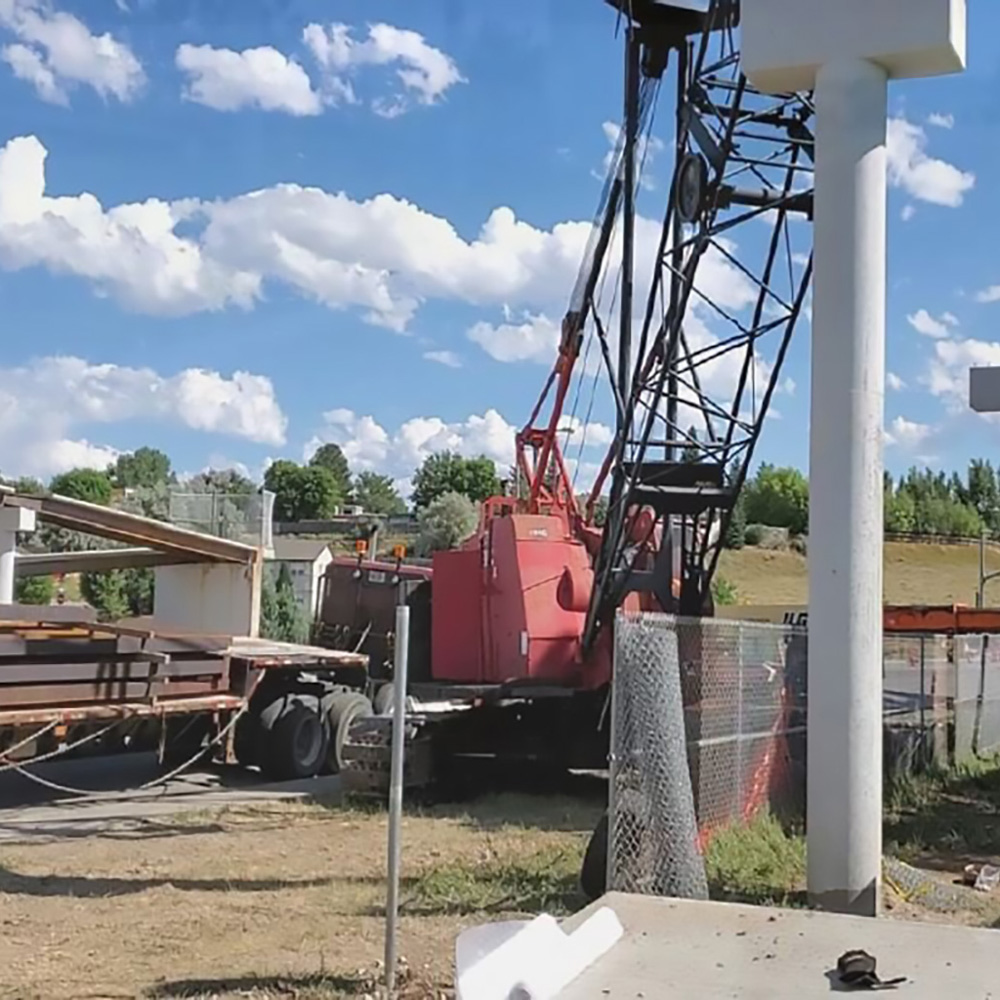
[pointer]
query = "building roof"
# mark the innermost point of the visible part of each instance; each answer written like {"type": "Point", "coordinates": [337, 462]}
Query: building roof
{"type": "Point", "coordinates": [298, 549]}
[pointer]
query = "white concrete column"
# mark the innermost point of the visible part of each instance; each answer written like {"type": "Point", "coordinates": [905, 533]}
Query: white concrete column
{"type": "Point", "coordinates": [12, 520]}
{"type": "Point", "coordinates": [844, 822]}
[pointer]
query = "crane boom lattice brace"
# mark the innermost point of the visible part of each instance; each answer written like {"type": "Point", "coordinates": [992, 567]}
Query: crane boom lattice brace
{"type": "Point", "coordinates": [699, 365]}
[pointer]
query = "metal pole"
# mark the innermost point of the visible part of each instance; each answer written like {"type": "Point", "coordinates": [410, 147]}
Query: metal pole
{"type": "Point", "coordinates": [844, 798]}
{"type": "Point", "coordinates": [982, 568]}
{"type": "Point", "coordinates": [402, 642]}
{"type": "Point", "coordinates": [628, 213]}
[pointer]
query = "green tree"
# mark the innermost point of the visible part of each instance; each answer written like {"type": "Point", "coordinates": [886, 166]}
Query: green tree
{"type": "Point", "coordinates": [445, 522]}
{"type": "Point", "coordinates": [144, 467]}
{"type": "Point", "coordinates": [90, 485]}
{"type": "Point", "coordinates": [447, 472]}
{"type": "Point", "coordinates": [220, 481]}
{"type": "Point", "coordinates": [302, 493]}
{"type": "Point", "coordinates": [329, 456]}
{"type": "Point", "coordinates": [778, 498]}
{"type": "Point", "coordinates": [377, 495]}
{"type": "Point", "coordinates": [106, 593]}
{"type": "Point", "coordinates": [281, 615]}
{"type": "Point", "coordinates": [35, 590]}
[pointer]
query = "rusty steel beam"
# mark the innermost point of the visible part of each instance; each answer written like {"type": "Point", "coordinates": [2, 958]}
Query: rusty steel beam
{"type": "Point", "coordinates": [30, 695]}
{"type": "Point", "coordinates": [131, 529]}
{"type": "Point", "coordinates": [113, 710]}
{"type": "Point", "coordinates": [48, 563]}
{"type": "Point", "coordinates": [103, 673]}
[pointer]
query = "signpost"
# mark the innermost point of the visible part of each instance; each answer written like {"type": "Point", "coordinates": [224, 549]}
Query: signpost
{"type": "Point", "coordinates": [847, 51]}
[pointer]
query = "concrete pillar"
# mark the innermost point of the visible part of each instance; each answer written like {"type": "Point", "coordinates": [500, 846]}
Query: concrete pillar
{"type": "Point", "coordinates": [845, 496]}
{"type": "Point", "coordinates": [847, 51]}
{"type": "Point", "coordinates": [12, 520]}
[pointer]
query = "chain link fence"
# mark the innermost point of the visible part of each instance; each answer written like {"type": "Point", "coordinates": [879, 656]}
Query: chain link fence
{"type": "Point", "coordinates": [728, 699]}
{"type": "Point", "coordinates": [239, 517]}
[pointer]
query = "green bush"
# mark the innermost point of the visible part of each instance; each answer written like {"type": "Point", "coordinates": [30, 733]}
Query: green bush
{"type": "Point", "coordinates": [754, 534]}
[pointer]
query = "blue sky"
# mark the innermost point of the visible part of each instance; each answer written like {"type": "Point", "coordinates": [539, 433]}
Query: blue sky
{"type": "Point", "coordinates": [272, 223]}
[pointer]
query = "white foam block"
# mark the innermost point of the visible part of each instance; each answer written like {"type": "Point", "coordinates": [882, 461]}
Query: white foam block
{"type": "Point", "coordinates": [593, 938]}
{"type": "Point", "coordinates": [785, 42]}
{"type": "Point", "coordinates": [490, 959]}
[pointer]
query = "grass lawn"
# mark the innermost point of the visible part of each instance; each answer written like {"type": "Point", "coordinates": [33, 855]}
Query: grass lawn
{"type": "Point", "coordinates": [914, 574]}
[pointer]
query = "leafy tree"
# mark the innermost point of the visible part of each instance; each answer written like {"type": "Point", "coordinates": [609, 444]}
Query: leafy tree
{"type": "Point", "coordinates": [35, 590]}
{"type": "Point", "coordinates": [144, 467]}
{"type": "Point", "coordinates": [24, 484]}
{"type": "Point", "coordinates": [736, 531]}
{"type": "Point", "coordinates": [90, 485]}
{"type": "Point", "coordinates": [220, 481]}
{"type": "Point", "coordinates": [106, 593]}
{"type": "Point", "coordinates": [377, 495]}
{"type": "Point", "coordinates": [302, 493]}
{"type": "Point", "coordinates": [281, 615]}
{"type": "Point", "coordinates": [448, 472]}
{"type": "Point", "coordinates": [329, 456]}
{"type": "Point", "coordinates": [445, 522]}
{"type": "Point", "coordinates": [778, 498]}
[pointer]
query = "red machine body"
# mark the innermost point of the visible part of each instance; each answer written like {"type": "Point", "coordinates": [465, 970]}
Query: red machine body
{"type": "Point", "coordinates": [510, 606]}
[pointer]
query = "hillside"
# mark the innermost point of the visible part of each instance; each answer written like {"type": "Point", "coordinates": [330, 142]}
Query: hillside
{"type": "Point", "coordinates": [914, 574]}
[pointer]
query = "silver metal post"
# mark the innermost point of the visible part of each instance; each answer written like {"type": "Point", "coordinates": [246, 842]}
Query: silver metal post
{"type": "Point", "coordinates": [982, 568]}
{"type": "Point", "coordinates": [402, 642]}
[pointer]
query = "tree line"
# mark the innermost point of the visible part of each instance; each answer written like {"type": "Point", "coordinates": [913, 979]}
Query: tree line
{"type": "Point", "coordinates": [920, 502]}
{"type": "Point", "coordinates": [447, 490]}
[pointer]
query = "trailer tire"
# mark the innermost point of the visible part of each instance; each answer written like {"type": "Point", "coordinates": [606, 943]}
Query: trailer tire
{"type": "Point", "coordinates": [297, 744]}
{"type": "Point", "coordinates": [345, 709]}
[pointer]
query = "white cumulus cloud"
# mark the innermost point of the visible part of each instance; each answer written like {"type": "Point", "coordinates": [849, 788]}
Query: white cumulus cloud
{"type": "Point", "coordinates": [37, 437]}
{"type": "Point", "coordinates": [368, 446]}
{"type": "Point", "coordinates": [56, 52]}
{"type": "Point", "coordinates": [923, 322]}
{"type": "Point", "coordinates": [262, 78]}
{"type": "Point", "coordinates": [894, 382]}
{"type": "Point", "coordinates": [941, 121]}
{"type": "Point", "coordinates": [922, 176]}
{"type": "Point", "coordinates": [907, 433]}
{"type": "Point", "coordinates": [447, 358]}
{"type": "Point", "coordinates": [425, 73]}
{"type": "Point", "coordinates": [991, 294]}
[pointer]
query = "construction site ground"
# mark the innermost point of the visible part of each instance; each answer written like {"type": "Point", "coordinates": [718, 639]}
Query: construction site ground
{"type": "Point", "coordinates": [284, 899]}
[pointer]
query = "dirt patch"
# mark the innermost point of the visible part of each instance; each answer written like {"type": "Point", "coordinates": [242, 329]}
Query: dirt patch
{"type": "Point", "coordinates": [277, 901]}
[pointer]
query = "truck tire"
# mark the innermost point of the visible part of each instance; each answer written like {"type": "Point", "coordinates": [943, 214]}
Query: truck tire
{"type": "Point", "coordinates": [296, 745]}
{"type": "Point", "coordinates": [345, 708]}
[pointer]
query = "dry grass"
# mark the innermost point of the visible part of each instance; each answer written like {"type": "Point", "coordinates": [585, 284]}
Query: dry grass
{"type": "Point", "coordinates": [280, 901]}
{"type": "Point", "coordinates": [914, 574]}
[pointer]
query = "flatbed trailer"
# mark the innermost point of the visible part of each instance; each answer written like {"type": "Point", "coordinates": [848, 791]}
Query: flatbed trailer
{"type": "Point", "coordinates": [69, 683]}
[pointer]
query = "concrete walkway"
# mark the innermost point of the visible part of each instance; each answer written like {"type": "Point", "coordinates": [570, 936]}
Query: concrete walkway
{"type": "Point", "coordinates": [681, 949]}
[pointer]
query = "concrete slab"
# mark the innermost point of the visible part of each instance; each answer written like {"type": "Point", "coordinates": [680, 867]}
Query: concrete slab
{"type": "Point", "coordinates": [683, 948]}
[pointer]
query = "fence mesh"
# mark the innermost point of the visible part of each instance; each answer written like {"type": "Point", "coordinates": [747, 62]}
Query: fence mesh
{"type": "Point", "coordinates": [738, 745]}
{"type": "Point", "coordinates": [239, 517]}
